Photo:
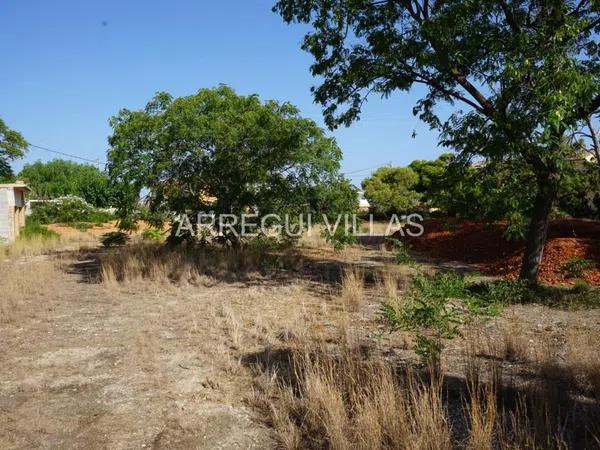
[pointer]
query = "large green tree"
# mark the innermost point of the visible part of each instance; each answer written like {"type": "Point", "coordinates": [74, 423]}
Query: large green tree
{"type": "Point", "coordinates": [521, 75]}
{"type": "Point", "coordinates": [12, 146]}
{"type": "Point", "coordinates": [222, 152]}
{"type": "Point", "coordinates": [391, 190]}
{"type": "Point", "coordinates": [58, 177]}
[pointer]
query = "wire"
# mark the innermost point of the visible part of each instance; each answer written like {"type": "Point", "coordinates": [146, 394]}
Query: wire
{"type": "Point", "coordinates": [365, 169]}
{"type": "Point", "coordinates": [66, 154]}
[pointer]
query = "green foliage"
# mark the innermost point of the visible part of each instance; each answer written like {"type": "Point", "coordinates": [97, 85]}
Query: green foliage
{"type": "Point", "coordinates": [401, 252]}
{"type": "Point", "coordinates": [34, 228]}
{"type": "Point", "coordinates": [114, 239]}
{"type": "Point", "coordinates": [576, 186]}
{"type": "Point", "coordinates": [342, 237]}
{"type": "Point", "coordinates": [576, 267]}
{"type": "Point", "coordinates": [58, 178]}
{"type": "Point", "coordinates": [12, 146]}
{"type": "Point", "coordinates": [225, 153]}
{"type": "Point", "coordinates": [521, 77]}
{"type": "Point", "coordinates": [391, 189]}
{"type": "Point", "coordinates": [517, 228]}
{"type": "Point", "coordinates": [428, 312]}
{"type": "Point", "coordinates": [152, 234]}
{"type": "Point", "coordinates": [431, 176]}
{"type": "Point", "coordinates": [69, 210]}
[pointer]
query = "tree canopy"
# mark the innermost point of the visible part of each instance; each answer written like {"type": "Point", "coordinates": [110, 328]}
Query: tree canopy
{"type": "Point", "coordinates": [58, 178]}
{"type": "Point", "coordinates": [12, 146]}
{"type": "Point", "coordinates": [227, 153]}
{"type": "Point", "coordinates": [391, 190]}
{"type": "Point", "coordinates": [522, 75]}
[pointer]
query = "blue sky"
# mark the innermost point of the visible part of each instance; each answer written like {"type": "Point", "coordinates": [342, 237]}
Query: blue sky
{"type": "Point", "coordinates": [67, 66]}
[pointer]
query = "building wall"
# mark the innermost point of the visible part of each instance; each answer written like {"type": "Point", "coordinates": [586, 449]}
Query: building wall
{"type": "Point", "coordinates": [12, 213]}
{"type": "Point", "coordinates": [6, 226]}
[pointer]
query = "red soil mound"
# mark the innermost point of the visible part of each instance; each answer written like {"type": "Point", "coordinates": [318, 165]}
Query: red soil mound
{"type": "Point", "coordinates": [484, 246]}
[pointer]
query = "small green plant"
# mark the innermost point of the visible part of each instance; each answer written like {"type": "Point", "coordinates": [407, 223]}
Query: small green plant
{"type": "Point", "coordinates": [401, 251]}
{"type": "Point", "coordinates": [152, 234]}
{"type": "Point", "coordinates": [429, 313]}
{"type": "Point", "coordinates": [340, 238]}
{"type": "Point", "coordinates": [114, 239]}
{"type": "Point", "coordinates": [577, 267]}
{"type": "Point", "coordinates": [437, 305]}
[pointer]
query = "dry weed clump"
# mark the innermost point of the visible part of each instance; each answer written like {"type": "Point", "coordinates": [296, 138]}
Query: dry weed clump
{"type": "Point", "coordinates": [25, 286]}
{"type": "Point", "coordinates": [582, 355]}
{"type": "Point", "coordinates": [318, 395]}
{"type": "Point", "coordinates": [187, 264]}
{"type": "Point", "coordinates": [353, 289]}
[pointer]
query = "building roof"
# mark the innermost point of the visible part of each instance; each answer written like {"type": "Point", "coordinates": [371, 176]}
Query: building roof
{"type": "Point", "coordinates": [17, 186]}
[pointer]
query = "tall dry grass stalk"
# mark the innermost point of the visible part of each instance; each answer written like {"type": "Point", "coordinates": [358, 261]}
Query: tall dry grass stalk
{"type": "Point", "coordinates": [353, 289]}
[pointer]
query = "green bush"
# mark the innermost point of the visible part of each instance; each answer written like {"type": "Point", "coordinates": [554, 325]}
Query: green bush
{"type": "Point", "coordinates": [576, 267]}
{"type": "Point", "coordinates": [152, 234]}
{"type": "Point", "coordinates": [69, 210]}
{"type": "Point", "coordinates": [114, 239]}
{"type": "Point", "coordinates": [340, 238]}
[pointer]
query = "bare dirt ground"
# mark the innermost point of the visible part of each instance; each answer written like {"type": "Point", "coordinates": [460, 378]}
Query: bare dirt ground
{"type": "Point", "coordinates": [154, 365]}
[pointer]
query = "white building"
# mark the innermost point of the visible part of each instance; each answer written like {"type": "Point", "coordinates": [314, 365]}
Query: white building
{"type": "Point", "coordinates": [12, 210]}
{"type": "Point", "coordinates": [363, 203]}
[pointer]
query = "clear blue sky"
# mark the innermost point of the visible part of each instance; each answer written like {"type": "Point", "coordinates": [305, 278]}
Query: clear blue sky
{"type": "Point", "coordinates": [67, 66]}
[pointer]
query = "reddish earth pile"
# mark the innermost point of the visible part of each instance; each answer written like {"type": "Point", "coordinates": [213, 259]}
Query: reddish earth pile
{"type": "Point", "coordinates": [484, 246]}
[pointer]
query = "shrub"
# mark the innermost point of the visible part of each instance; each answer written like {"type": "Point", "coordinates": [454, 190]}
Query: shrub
{"type": "Point", "coordinates": [34, 228]}
{"type": "Point", "coordinates": [576, 267]}
{"type": "Point", "coordinates": [152, 234]}
{"type": "Point", "coordinates": [68, 210]}
{"type": "Point", "coordinates": [114, 239]}
{"type": "Point", "coordinates": [340, 238]}
{"type": "Point", "coordinates": [401, 250]}
{"type": "Point", "coordinates": [428, 312]}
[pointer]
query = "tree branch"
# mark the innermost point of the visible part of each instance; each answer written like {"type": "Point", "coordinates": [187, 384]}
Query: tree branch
{"type": "Point", "coordinates": [510, 17]}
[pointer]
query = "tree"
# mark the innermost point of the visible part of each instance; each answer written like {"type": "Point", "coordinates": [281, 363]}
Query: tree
{"type": "Point", "coordinates": [431, 174]}
{"type": "Point", "coordinates": [391, 189]}
{"type": "Point", "coordinates": [520, 73]}
{"type": "Point", "coordinates": [222, 152]}
{"type": "Point", "coordinates": [58, 178]}
{"type": "Point", "coordinates": [12, 146]}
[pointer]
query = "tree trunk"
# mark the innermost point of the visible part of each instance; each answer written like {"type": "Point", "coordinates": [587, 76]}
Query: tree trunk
{"type": "Point", "coordinates": [547, 189]}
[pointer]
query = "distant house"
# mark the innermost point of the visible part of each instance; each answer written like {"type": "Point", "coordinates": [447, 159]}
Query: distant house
{"type": "Point", "coordinates": [12, 210]}
{"type": "Point", "coordinates": [363, 203]}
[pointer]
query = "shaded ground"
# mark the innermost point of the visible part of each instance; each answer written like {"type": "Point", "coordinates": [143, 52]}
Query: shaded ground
{"type": "Point", "coordinates": [483, 245]}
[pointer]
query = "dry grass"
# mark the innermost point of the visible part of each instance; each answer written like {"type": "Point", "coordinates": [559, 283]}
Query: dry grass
{"type": "Point", "coordinates": [317, 384]}
{"type": "Point", "coordinates": [353, 289]}
{"type": "Point", "coordinates": [516, 344]}
{"type": "Point", "coordinates": [156, 262]}
{"type": "Point", "coordinates": [26, 285]}
{"type": "Point", "coordinates": [582, 355]}
{"type": "Point", "coordinates": [321, 396]}
{"type": "Point", "coordinates": [39, 245]}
